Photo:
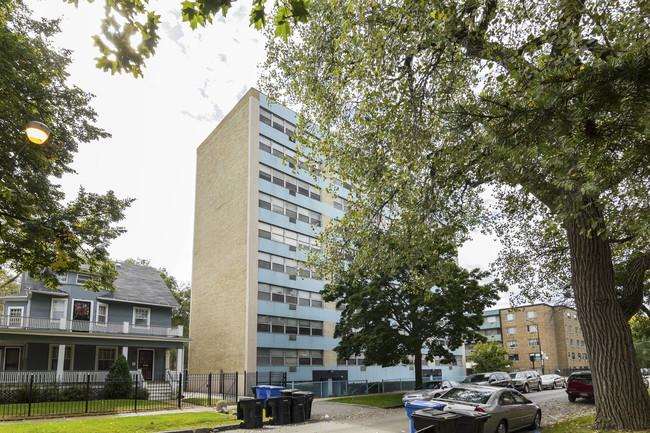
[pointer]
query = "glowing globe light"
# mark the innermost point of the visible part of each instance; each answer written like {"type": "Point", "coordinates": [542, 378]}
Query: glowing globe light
{"type": "Point", "coordinates": [37, 132]}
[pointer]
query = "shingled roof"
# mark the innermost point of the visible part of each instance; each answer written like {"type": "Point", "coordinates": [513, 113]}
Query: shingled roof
{"type": "Point", "coordinates": [137, 284]}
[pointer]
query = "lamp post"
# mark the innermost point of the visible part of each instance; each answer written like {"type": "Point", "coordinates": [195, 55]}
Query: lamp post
{"type": "Point", "coordinates": [36, 132]}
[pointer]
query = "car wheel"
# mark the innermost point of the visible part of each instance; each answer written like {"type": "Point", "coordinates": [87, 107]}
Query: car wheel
{"type": "Point", "coordinates": [526, 389]}
{"type": "Point", "coordinates": [539, 386]}
{"type": "Point", "coordinates": [537, 422]}
{"type": "Point", "coordinates": [564, 384]}
{"type": "Point", "coordinates": [572, 398]}
{"type": "Point", "coordinates": [502, 427]}
{"type": "Point", "coordinates": [554, 386]}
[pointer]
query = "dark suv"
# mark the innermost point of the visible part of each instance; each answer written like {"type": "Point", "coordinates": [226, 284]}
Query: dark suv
{"type": "Point", "coordinates": [494, 378]}
{"type": "Point", "coordinates": [526, 380]}
{"type": "Point", "coordinates": [579, 385]}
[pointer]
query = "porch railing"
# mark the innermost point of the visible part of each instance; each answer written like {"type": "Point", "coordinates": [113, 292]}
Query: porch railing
{"type": "Point", "coordinates": [64, 325]}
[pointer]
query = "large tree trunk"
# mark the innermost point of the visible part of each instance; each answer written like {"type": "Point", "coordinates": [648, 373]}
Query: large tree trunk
{"type": "Point", "coordinates": [622, 402]}
{"type": "Point", "coordinates": [418, 370]}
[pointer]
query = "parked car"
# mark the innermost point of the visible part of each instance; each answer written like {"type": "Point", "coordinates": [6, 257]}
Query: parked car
{"type": "Point", "coordinates": [526, 380]}
{"type": "Point", "coordinates": [552, 381]}
{"type": "Point", "coordinates": [429, 390]}
{"type": "Point", "coordinates": [495, 378]}
{"type": "Point", "coordinates": [508, 408]}
{"type": "Point", "coordinates": [579, 384]}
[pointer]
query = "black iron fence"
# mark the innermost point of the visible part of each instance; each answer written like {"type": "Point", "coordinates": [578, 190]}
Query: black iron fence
{"type": "Point", "coordinates": [40, 396]}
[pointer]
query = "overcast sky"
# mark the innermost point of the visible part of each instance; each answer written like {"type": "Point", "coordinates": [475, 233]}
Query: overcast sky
{"type": "Point", "coordinates": [158, 121]}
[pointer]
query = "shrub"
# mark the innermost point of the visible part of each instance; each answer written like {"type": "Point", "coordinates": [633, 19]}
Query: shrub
{"type": "Point", "coordinates": [118, 380]}
{"type": "Point", "coordinates": [142, 394]}
{"type": "Point", "coordinates": [73, 393]}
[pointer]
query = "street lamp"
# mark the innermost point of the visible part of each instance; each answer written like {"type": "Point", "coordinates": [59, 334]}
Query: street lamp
{"type": "Point", "coordinates": [36, 132]}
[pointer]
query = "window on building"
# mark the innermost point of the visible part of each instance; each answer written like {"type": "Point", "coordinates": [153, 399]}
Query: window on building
{"type": "Point", "coordinates": [570, 329]}
{"type": "Point", "coordinates": [511, 330]}
{"type": "Point", "coordinates": [62, 278]}
{"type": "Point", "coordinates": [571, 340]}
{"type": "Point", "coordinates": [67, 358]}
{"type": "Point", "coordinates": [533, 342]}
{"type": "Point", "coordinates": [579, 357]}
{"type": "Point", "coordinates": [266, 173]}
{"type": "Point", "coordinates": [15, 318]}
{"type": "Point", "coordinates": [510, 317]}
{"type": "Point", "coordinates": [513, 357]}
{"type": "Point", "coordinates": [141, 316]}
{"type": "Point", "coordinates": [531, 328]}
{"type": "Point", "coordinates": [263, 260]}
{"type": "Point", "coordinates": [277, 357]}
{"type": "Point", "coordinates": [491, 320]}
{"type": "Point", "coordinates": [512, 344]}
{"type": "Point", "coordinates": [277, 325]}
{"type": "Point", "coordinates": [265, 201]}
{"type": "Point", "coordinates": [102, 313]}
{"type": "Point", "coordinates": [290, 357]}
{"type": "Point", "coordinates": [82, 278]}
{"type": "Point", "coordinates": [105, 357]}
{"type": "Point", "coordinates": [265, 144]}
{"type": "Point", "coordinates": [531, 314]}
{"type": "Point", "coordinates": [59, 307]}
{"type": "Point", "coordinates": [573, 355]}
{"type": "Point", "coordinates": [291, 296]}
{"type": "Point", "coordinates": [265, 116]}
{"type": "Point", "coordinates": [291, 326]}
{"type": "Point", "coordinates": [263, 357]}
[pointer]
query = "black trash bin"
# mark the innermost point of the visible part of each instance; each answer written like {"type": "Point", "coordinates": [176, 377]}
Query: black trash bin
{"type": "Point", "coordinates": [434, 420]}
{"type": "Point", "coordinates": [309, 398]}
{"type": "Point", "coordinates": [471, 421]}
{"type": "Point", "coordinates": [297, 404]}
{"type": "Point", "coordinates": [250, 411]}
{"type": "Point", "coordinates": [279, 410]}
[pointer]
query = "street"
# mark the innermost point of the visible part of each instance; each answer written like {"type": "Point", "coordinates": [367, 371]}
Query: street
{"type": "Point", "coordinates": [329, 417]}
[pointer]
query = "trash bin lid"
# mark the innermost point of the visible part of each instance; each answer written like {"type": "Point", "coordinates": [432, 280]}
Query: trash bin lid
{"type": "Point", "coordinates": [424, 404]}
{"type": "Point", "coordinates": [471, 413]}
{"type": "Point", "coordinates": [439, 415]}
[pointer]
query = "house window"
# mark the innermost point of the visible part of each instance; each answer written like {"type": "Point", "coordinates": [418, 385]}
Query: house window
{"type": "Point", "coordinates": [67, 357]}
{"type": "Point", "coordinates": [82, 278]}
{"type": "Point", "coordinates": [62, 278]}
{"type": "Point", "coordinates": [15, 318]}
{"type": "Point", "coordinates": [102, 313]}
{"type": "Point", "coordinates": [141, 316]}
{"type": "Point", "coordinates": [59, 307]}
{"type": "Point", "coordinates": [511, 330]}
{"type": "Point", "coordinates": [510, 317]}
{"type": "Point", "coordinates": [531, 314]}
{"type": "Point", "coordinates": [105, 357]}
{"type": "Point", "coordinates": [12, 358]}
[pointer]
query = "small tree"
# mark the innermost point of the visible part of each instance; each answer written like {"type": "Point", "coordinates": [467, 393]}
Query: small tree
{"type": "Point", "coordinates": [118, 381]}
{"type": "Point", "coordinates": [489, 356]}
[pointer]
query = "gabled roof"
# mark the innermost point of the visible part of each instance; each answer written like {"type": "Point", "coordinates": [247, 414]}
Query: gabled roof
{"type": "Point", "coordinates": [136, 284]}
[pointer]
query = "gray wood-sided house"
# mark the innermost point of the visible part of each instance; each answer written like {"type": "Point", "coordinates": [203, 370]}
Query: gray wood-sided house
{"type": "Point", "coordinates": [74, 330]}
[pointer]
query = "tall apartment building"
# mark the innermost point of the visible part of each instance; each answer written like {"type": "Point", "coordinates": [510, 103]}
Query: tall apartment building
{"type": "Point", "coordinates": [254, 307]}
{"type": "Point", "coordinates": [542, 331]}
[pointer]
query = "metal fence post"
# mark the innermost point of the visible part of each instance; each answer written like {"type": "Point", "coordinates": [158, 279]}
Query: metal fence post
{"type": "Point", "coordinates": [221, 385]}
{"type": "Point", "coordinates": [135, 395]}
{"type": "Point", "coordinates": [210, 389]}
{"type": "Point", "coordinates": [180, 385]}
{"type": "Point", "coordinates": [29, 399]}
{"type": "Point", "coordinates": [366, 386]}
{"type": "Point", "coordinates": [87, 390]}
{"type": "Point", "coordinates": [236, 386]}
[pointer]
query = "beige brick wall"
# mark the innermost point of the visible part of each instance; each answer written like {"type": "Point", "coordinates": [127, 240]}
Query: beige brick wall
{"type": "Point", "coordinates": [221, 307]}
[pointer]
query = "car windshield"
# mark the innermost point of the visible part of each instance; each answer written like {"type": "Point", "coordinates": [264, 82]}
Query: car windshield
{"type": "Point", "coordinates": [477, 396]}
{"type": "Point", "coordinates": [518, 375]}
{"type": "Point", "coordinates": [431, 385]}
{"type": "Point", "coordinates": [477, 378]}
{"type": "Point", "coordinates": [548, 376]}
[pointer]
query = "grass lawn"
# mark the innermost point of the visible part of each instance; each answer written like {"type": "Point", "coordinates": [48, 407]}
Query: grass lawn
{"type": "Point", "coordinates": [376, 400]}
{"type": "Point", "coordinates": [131, 424]}
{"type": "Point", "coordinates": [578, 425]}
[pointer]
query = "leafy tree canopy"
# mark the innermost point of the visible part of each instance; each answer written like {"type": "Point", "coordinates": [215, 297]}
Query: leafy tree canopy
{"type": "Point", "coordinates": [126, 18]}
{"type": "Point", "coordinates": [428, 107]}
{"type": "Point", "coordinates": [404, 295]}
{"type": "Point", "coordinates": [489, 356]}
{"type": "Point", "coordinates": [37, 231]}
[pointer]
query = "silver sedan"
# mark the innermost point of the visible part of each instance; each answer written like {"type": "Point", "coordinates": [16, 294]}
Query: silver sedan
{"type": "Point", "coordinates": [429, 390]}
{"type": "Point", "coordinates": [509, 410]}
{"type": "Point", "coordinates": [552, 381]}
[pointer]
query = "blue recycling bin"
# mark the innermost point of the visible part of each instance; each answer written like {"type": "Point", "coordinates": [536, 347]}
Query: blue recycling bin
{"type": "Point", "coordinates": [266, 391]}
{"type": "Point", "coordinates": [412, 406]}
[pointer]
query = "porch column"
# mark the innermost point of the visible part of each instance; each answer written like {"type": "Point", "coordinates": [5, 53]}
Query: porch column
{"type": "Point", "coordinates": [179, 360]}
{"type": "Point", "coordinates": [59, 363]}
{"type": "Point", "coordinates": [167, 355]}
{"type": "Point", "coordinates": [125, 352]}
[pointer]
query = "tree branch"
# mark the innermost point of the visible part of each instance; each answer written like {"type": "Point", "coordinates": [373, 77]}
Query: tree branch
{"type": "Point", "coordinates": [631, 298]}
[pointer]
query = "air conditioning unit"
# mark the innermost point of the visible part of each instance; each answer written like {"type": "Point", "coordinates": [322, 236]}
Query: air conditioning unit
{"type": "Point", "coordinates": [293, 193]}
{"type": "Point", "coordinates": [292, 337]}
{"type": "Point", "coordinates": [292, 277]}
{"type": "Point", "coordinates": [292, 369]}
{"type": "Point", "coordinates": [362, 368]}
{"type": "Point", "coordinates": [292, 248]}
{"type": "Point", "coordinates": [292, 306]}
{"type": "Point", "coordinates": [292, 220]}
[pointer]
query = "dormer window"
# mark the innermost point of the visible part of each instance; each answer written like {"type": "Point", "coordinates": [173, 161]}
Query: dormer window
{"type": "Point", "coordinates": [82, 278]}
{"type": "Point", "coordinates": [63, 278]}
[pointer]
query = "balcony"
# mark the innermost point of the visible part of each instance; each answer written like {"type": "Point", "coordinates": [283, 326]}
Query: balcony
{"type": "Point", "coordinates": [25, 323]}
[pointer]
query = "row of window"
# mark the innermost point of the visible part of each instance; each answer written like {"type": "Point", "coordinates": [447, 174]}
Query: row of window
{"type": "Point", "coordinates": [512, 344]}
{"type": "Point", "coordinates": [285, 265]}
{"type": "Point", "coordinates": [512, 330]}
{"type": "Point", "coordinates": [570, 329]}
{"type": "Point", "coordinates": [288, 357]}
{"type": "Point", "coordinates": [277, 122]}
{"type": "Point", "coordinates": [105, 356]}
{"type": "Point", "coordinates": [81, 311]}
{"type": "Point", "coordinates": [579, 343]}
{"type": "Point", "coordinates": [529, 315]}
{"type": "Point", "coordinates": [356, 360]}
{"type": "Point", "coordinates": [293, 184]}
{"type": "Point", "coordinates": [267, 292]}
{"type": "Point", "coordinates": [81, 278]}
{"type": "Point", "coordinates": [294, 212]}
{"type": "Point", "coordinates": [292, 239]}
{"type": "Point", "coordinates": [581, 357]}
{"type": "Point", "coordinates": [286, 325]}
